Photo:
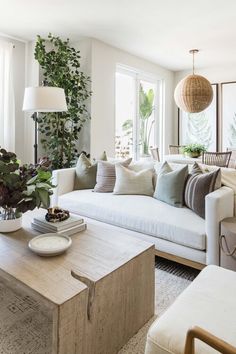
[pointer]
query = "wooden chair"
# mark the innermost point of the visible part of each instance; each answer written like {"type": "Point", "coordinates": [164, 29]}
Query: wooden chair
{"type": "Point", "coordinates": [175, 149]}
{"type": "Point", "coordinates": [155, 154]}
{"type": "Point", "coordinates": [208, 338]}
{"type": "Point", "coordinates": [220, 159]}
{"type": "Point", "coordinates": [232, 162]}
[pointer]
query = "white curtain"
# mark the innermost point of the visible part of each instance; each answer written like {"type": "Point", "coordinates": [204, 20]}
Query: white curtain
{"type": "Point", "coordinates": [7, 102]}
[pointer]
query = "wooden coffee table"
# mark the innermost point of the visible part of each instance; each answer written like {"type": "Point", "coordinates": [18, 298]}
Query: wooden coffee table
{"type": "Point", "coordinates": [99, 293]}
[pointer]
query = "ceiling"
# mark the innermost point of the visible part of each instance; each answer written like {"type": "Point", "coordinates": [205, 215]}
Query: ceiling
{"type": "Point", "coordinates": [161, 31]}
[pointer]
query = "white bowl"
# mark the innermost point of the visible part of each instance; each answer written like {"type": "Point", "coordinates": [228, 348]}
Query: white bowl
{"type": "Point", "coordinates": [10, 225]}
{"type": "Point", "coordinates": [51, 244]}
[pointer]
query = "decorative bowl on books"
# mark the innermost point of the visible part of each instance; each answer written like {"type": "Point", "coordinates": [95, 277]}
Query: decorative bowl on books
{"type": "Point", "coordinates": [51, 244]}
{"type": "Point", "coordinates": [56, 214]}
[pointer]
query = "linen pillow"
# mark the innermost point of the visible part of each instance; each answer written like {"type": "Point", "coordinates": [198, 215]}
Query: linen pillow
{"type": "Point", "coordinates": [106, 175]}
{"type": "Point", "coordinates": [85, 172]}
{"type": "Point", "coordinates": [198, 185]}
{"type": "Point", "coordinates": [170, 185]}
{"type": "Point", "coordinates": [131, 182]}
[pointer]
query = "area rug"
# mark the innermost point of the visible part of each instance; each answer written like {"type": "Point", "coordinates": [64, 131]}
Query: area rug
{"type": "Point", "coordinates": [170, 280]}
{"type": "Point", "coordinates": [24, 324]}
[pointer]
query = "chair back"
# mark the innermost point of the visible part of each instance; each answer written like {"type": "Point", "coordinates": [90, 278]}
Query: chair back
{"type": "Point", "coordinates": [232, 162]}
{"type": "Point", "coordinates": [220, 159]}
{"type": "Point", "coordinates": [155, 154]}
{"type": "Point", "coordinates": [175, 149]}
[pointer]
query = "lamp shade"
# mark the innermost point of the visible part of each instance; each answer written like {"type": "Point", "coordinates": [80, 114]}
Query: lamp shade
{"type": "Point", "coordinates": [44, 99]}
{"type": "Point", "coordinates": [193, 94]}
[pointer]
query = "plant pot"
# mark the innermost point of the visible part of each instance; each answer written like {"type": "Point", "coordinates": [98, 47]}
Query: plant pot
{"type": "Point", "coordinates": [10, 225]}
{"type": "Point", "coordinates": [194, 154]}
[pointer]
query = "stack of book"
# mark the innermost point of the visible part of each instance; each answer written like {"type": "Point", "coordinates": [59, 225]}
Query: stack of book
{"type": "Point", "coordinates": [70, 226]}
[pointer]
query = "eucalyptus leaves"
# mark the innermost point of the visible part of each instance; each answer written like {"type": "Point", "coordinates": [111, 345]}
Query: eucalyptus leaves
{"type": "Point", "coordinates": [61, 68]}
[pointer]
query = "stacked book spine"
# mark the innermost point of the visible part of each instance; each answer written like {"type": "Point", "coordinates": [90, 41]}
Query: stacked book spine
{"type": "Point", "coordinates": [71, 226]}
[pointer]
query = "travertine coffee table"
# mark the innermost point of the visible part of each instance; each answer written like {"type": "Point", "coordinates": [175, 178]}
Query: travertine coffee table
{"type": "Point", "coordinates": [99, 293]}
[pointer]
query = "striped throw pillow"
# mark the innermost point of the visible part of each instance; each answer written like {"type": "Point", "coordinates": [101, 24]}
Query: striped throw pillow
{"type": "Point", "coordinates": [198, 185]}
{"type": "Point", "coordinates": [106, 175]}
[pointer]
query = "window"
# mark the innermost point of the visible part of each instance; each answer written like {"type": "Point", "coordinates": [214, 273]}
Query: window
{"type": "Point", "coordinates": [137, 114]}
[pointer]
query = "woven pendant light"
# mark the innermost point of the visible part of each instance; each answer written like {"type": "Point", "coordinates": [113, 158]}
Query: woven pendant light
{"type": "Point", "coordinates": [194, 93]}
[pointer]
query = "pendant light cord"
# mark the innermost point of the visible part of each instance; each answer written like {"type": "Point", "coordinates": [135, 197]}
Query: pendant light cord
{"type": "Point", "coordinates": [193, 64]}
{"type": "Point", "coordinates": [193, 52]}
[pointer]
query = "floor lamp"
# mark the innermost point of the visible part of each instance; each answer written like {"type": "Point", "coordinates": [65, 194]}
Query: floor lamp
{"type": "Point", "coordinates": [43, 99]}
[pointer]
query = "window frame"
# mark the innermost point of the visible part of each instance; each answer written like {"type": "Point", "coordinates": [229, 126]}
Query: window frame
{"type": "Point", "coordinates": [139, 76]}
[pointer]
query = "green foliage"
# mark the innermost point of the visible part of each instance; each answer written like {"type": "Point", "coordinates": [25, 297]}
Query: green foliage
{"type": "Point", "coordinates": [60, 131]}
{"type": "Point", "coordinates": [146, 107]}
{"type": "Point", "coordinates": [194, 148]}
{"type": "Point", "coordinates": [24, 187]}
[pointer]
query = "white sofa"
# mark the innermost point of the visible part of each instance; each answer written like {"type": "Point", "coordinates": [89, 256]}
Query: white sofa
{"type": "Point", "coordinates": [175, 232]}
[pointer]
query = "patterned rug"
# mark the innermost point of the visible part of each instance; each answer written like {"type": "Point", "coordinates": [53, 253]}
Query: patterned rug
{"type": "Point", "coordinates": [24, 324]}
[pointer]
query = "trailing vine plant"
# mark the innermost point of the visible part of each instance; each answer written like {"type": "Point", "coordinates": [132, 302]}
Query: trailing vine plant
{"type": "Point", "coordinates": [61, 68]}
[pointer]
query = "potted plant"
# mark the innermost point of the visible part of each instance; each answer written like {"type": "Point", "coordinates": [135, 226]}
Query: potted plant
{"type": "Point", "coordinates": [60, 131]}
{"type": "Point", "coordinates": [194, 150]}
{"type": "Point", "coordinates": [22, 188]}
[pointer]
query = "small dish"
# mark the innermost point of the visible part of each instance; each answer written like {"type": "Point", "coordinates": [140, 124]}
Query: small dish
{"type": "Point", "coordinates": [51, 244]}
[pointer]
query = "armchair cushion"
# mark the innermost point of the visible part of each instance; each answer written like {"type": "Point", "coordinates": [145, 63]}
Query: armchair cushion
{"type": "Point", "coordinates": [209, 302]}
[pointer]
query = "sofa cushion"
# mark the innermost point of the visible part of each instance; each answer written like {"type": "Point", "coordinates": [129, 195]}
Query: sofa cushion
{"type": "Point", "coordinates": [85, 172]}
{"type": "Point", "coordinates": [106, 175]}
{"type": "Point", "coordinates": [197, 187]}
{"type": "Point", "coordinates": [209, 302]}
{"type": "Point", "coordinates": [131, 182]}
{"type": "Point", "coordinates": [170, 185]}
{"type": "Point", "coordinates": [140, 213]}
{"type": "Point", "coordinates": [228, 178]}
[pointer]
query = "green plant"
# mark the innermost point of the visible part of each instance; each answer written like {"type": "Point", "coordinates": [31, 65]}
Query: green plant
{"type": "Point", "coordinates": [146, 107]}
{"type": "Point", "coordinates": [194, 148]}
{"type": "Point", "coordinates": [24, 187]}
{"type": "Point", "coordinates": [61, 68]}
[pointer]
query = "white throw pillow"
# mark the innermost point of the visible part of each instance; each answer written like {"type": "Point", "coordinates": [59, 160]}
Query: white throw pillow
{"type": "Point", "coordinates": [131, 182]}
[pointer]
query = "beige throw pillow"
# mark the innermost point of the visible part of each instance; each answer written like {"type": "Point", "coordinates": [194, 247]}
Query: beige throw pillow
{"type": "Point", "coordinates": [131, 182]}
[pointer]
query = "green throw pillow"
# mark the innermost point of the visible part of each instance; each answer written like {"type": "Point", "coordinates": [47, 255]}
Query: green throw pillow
{"type": "Point", "coordinates": [170, 185]}
{"type": "Point", "coordinates": [85, 172]}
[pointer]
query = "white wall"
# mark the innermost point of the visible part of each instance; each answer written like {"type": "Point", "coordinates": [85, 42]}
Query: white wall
{"type": "Point", "coordinates": [19, 86]}
{"type": "Point", "coordinates": [104, 61]}
{"type": "Point", "coordinates": [213, 74]}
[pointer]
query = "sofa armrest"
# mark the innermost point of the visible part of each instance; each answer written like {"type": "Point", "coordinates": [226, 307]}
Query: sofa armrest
{"type": "Point", "coordinates": [219, 205]}
{"type": "Point", "coordinates": [64, 181]}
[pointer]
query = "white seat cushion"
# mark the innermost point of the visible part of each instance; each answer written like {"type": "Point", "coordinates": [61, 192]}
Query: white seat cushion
{"type": "Point", "coordinates": [139, 213]}
{"type": "Point", "coordinates": [209, 302]}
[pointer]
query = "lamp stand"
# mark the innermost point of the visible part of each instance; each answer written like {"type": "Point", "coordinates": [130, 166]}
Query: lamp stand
{"type": "Point", "coordinates": [35, 118]}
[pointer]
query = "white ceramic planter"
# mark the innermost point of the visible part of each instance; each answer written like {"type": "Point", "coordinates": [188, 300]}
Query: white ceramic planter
{"type": "Point", "coordinates": [10, 225]}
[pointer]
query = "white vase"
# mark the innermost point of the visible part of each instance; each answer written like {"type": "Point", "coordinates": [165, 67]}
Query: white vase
{"type": "Point", "coordinates": [10, 225]}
